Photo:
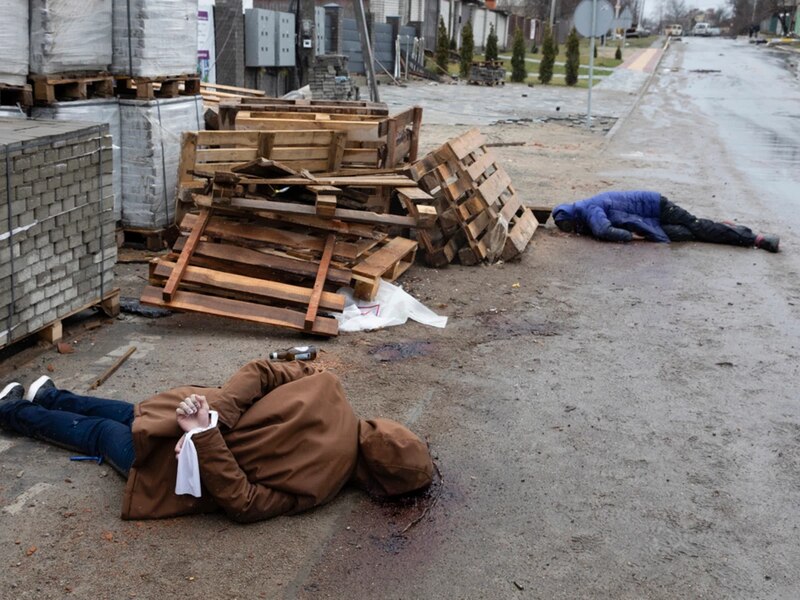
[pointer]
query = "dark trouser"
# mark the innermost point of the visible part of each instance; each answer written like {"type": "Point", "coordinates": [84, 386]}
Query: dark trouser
{"type": "Point", "coordinates": [93, 426]}
{"type": "Point", "coordinates": [682, 226]}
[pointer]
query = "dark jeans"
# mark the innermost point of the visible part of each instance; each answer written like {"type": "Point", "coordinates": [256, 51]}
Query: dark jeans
{"type": "Point", "coordinates": [92, 426]}
{"type": "Point", "coordinates": [682, 226]}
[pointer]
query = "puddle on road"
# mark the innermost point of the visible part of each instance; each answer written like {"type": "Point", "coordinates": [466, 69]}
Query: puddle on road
{"type": "Point", "coordinates": [401, 351]}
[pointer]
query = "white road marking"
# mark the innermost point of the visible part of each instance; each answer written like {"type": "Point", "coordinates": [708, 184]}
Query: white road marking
{"type": "Point", "coordinates": [25, 497]}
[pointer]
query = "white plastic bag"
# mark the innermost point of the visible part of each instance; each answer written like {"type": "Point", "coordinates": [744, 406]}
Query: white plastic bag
{"type": "Point", "coordinates": [392, 306]}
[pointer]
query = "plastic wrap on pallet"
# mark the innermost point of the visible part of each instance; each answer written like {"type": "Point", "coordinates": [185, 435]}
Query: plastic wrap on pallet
{"type": "Point", "coordinates": [151, 148]}
{"type": "Point", "coordinates": [104, 110]}
{"type": "Point", "coordinates": [12, 112]}
{"type": "Point", "coordinates": [57, 235]}
{"type": "Point", "coordinates": [154, 38]}
{"type": "Point", "coordinates": [14, 42]}
{"type": "Point", "coordinates": [70, 35]}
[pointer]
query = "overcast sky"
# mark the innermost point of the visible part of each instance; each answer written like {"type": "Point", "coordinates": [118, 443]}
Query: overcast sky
{"type": "Point", "coordinates": [652, 7]}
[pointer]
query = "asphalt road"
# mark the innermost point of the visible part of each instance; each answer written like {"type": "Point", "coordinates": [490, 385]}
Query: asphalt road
{"type": "Point", "coordinates": [610, 421]}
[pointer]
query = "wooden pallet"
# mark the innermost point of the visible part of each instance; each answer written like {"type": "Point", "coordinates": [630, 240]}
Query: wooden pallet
{"type": "Point", "coordinates": [311, 150]}
{"type": "Point", "coordinates": [228, 109]}
{"type": "Point", "coordinates": [489, 73]}
{"type": "Point", "coordinates": [395, 138]}
{"type": "Point", "coordinates": [473, 196]}
{"type": "Point", "coordinates": [48, 89]}
{"type": "Point", "coordinates": [53, 332]}
{"type": "Point", "coordinates": [244, 270]}
{"type": "Point", "coordinates": [150, 88]}
{"type": "Point", "coordinates": [16, 95]}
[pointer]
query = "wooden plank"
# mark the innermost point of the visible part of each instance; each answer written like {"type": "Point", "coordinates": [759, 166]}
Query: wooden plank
{"type": "Point", "coordinates": [228, 138]}
{"type": "Point", "coordinates": [231, 88]}
{"type": "Point", "coordinates": [247, 257]}
{"type": "Point", "coordinates": [226, 155]}
{"type": "Point", "coordinates": [316, 116]}
{"type": "Point", "coordinates": [415, 133]}
{"type": "Point", "coordinates": [188, 156]}
{"type": "Point", "coordinates": [466, 143]}
{"type": "Point", "coordinates": [336, 151]}
{"type": "Point", "coordinates": [237, 309]}
{"type": "Point", "coordinates": [266, 144]}
{"type": "Point", "coordinates": [325, 206]}
{"type": "Point", "coordinates": [494, 186]}
{"type": "Point", "coordinates": [520, 235]}
{"type": "Point", "coordinates": [415, 195]}
{"type": "Point", "coordinates": [353, 229]}
{"type": "Point", "coordinates": [481, 165]}
{"type": "Point", "coordinates": [191, 243]}
{"type": "Point", "coordinates": [324, 263]}
{"type": "Point", "coordinates": [267, 290]}
{"type": "Point", "coordinates": [354, 180]}
{"type": "Point", "coordinates": [377, 263]}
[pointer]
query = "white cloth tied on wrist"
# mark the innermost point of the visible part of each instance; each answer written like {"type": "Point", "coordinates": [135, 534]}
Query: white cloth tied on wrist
{"type": "Point", "coordinates": [188, 480]}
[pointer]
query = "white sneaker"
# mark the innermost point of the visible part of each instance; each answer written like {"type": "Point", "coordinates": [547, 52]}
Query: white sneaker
{"type": "Point", "coordinates": [43, 383]}
{"type": "Point", "coordinates": [13, 391]}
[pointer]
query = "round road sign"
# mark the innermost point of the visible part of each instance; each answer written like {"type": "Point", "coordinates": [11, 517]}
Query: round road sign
{"type": "Point", "coordinates": [603, 18]}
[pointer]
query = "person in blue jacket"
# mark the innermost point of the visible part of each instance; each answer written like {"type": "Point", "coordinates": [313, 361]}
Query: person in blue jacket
{"type": "Point", "coordinates": [619, 216]}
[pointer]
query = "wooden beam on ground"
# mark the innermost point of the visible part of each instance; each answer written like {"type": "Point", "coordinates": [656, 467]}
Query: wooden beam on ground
{"type": "Point", "coordinates": [188, 248]}
{"type": "Point", "coordinates": [324, 263]}
{"type": "Point", "coordinates": [237, 309]}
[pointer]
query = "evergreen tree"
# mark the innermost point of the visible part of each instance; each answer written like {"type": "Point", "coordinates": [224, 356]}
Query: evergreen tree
{"type": "Point", "coordinates": [548, 57]}
{"type": "Point", "coordinates": [467, 48]}
{"type": "Point", "coordinates": [618, 53]}
{"type": "Point", "coordinates": [534, 48]}
{"type": "Point", "coordinates": [491, 44]}
{"type": "Point", "coordinates": [595, 48]}
{"type": "Point", "coordinates": [518, 71]}
{"type": "Point", "coordinates": [442, 47]}
{"type": "Point", "coordinates": [573, 58]}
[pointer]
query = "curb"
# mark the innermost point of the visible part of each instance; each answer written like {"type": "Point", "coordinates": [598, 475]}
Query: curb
{"type": "Point", "coordinates": [621, 120]}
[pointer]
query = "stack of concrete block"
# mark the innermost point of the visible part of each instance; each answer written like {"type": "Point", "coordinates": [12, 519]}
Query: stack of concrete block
{"type": "Point", "coordinates": [151, 147]}
{"type": "Point", "coordinates": [14, 42]}
{"type": "Point", "coordinates": [102, 110]}
{"type": "Point", "coordinates": [70, 35]}
{"type": "Point", "coordinates": [154, 38]}
{"type": "Point", "coordinates": [57, 238]}
{"type": "Point", "coordinates": [330, 80]}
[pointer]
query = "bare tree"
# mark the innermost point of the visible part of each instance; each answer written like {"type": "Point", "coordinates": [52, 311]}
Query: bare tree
{"type": "Point", "coordinates": [676, 11]}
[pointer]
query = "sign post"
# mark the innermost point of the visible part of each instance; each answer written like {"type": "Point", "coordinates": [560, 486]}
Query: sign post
{"type": "Point", "coordinates": [592, 18]}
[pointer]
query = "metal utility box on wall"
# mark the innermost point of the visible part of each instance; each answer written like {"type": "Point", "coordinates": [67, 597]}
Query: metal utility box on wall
{"type": "Point", "coordinates": [260, 38]}
{"type": "Point", "coordinates": [286, 34]}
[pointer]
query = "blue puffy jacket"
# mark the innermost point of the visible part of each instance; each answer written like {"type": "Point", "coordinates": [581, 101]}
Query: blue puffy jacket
{"type": "Point", "coordinates": [613, 216]}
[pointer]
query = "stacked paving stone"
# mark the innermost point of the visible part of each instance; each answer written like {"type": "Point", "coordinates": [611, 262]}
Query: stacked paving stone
{"type": "Point", "coordinates": [70, 35]}
{"type": "Point", "coordinates": [154, 38]}
{"type": "Point", "coordinates": [102, 110]}
{"type": "Point", "coordinates": [14, 42]}
{"type": "Point", "coordinates": [329, 79]}
{"type": "Point", "coordinates": [151, 148]}
{"type": "Point", "coordinates": [57, 239]}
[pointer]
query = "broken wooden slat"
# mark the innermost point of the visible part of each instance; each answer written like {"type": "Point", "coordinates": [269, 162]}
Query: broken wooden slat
{"type": "Point", "coordinates": [324, 263]}
{"type": "Point", "coordinates": [237, 309]}
{"type": "Point", "coordinates": [194, 237]}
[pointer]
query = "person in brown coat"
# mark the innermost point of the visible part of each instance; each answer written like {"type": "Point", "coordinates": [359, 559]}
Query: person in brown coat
{"type": "Point", "coordinates": [277, 438]}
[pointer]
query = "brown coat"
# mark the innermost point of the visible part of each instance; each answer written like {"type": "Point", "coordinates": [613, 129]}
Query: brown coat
{"type": "Point", "coordinates": [287, 441]}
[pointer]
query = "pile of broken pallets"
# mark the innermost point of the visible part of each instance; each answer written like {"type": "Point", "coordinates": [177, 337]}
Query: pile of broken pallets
{"type": "Point", "coordinates": [299, 199]}
{"type": "Point", "coordinates": [489, 72]}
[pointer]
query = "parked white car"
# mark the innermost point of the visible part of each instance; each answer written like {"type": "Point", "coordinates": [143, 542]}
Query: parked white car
{"type": "Point", "coordinates": [701, 29]}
